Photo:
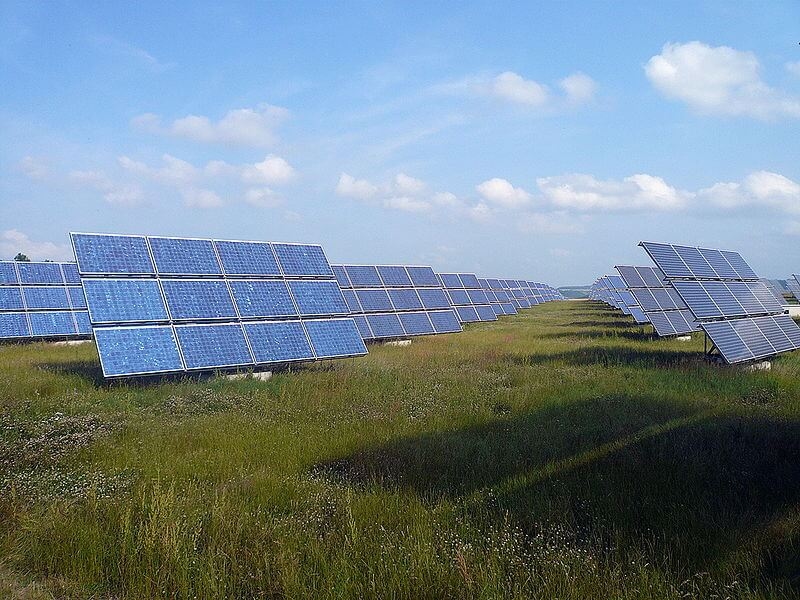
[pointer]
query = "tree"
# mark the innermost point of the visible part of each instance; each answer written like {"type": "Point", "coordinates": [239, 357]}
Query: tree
{"type": "Point", "coordinates": [22, 257]}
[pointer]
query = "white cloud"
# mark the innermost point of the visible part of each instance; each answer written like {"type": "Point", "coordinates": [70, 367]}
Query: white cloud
{"type": "Point", "coordinates": [253, 127]}
{"type": "Point", "coordinates": [406, 184]}
{"type": "Point", "coordinates": [272, 170]}
{"type": "Point", "coordinates": [585, 193]}
{"type": "Point", "coordinates": [113, 192]}
{"type": "Point", "coordinates": [515, 88]}
{"type": "Point", "coordinates": [500, 192]}
{"type": "Point", "coordinates": [13, 241]}
{"type": "Point", "coordinates": [33, 168]}
{"type": "Point", "coordinates": [761, 188]}
{"type": "Point", "coordinates": [175, 171]}
{"type": "Point", "coordinates": [446, 199]}
{"type": "Point", "coordinates": [481, 212]}
{"type": "Point", "coordinates": [201, 198]}
{"type": "Point", "coordinates": [360, 189]}
{"type": "Point", "coordinates": [718, 80]}
{"type": "Point", "coordinates": [579, 88]}
{"type": "Point", "coordinates": [407, 204]}
{"type": "Point", "coordinates": [263, 198]}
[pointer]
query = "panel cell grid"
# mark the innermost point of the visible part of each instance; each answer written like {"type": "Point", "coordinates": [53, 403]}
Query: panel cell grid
{"type": "Point", "coordinates": [302, 260]}
{"type": "Point", "coordinates": [247, 258]}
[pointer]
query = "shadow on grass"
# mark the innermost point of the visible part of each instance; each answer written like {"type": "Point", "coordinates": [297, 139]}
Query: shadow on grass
{"type": "Point", "coordinates": [639, 335]}
{"type": "Point", "coordinates": [621, 323]}
{"type": "Point", "coordinates": [614, 356]}
{"type": "Point", "coordinates": [687, 487]}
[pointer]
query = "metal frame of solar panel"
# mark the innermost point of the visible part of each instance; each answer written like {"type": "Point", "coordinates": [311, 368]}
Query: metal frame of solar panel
{"type": "Point", "coordinates": [171, 305]}
{"type": "Point", "coordinates": [739, 315]}
{"type": "Point", "coordinates": [793, 283]}
{"type": "Point", "coordinates": [395, 301]}
{"type": "Point", "coordinates": [662, 305]}
{"type": "Point", "coordinates": [41, 300]}
{"type": "Point", "coordinates": [467, 298]}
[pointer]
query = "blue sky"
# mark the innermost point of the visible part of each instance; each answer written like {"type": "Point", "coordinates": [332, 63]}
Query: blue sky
{"type": "Point", "coordinates": [531, 140]}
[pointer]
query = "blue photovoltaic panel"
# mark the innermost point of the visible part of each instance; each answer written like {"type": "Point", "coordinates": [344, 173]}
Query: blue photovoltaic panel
{"type": "Point", "coordinates": [198, 299]}
{"type": "Point", "coordinates": [386, 325]}
{"type": "Point", "coordinates": [777, 338]}
{"type": "Point", "coordinates": [498, 309]}
{"type": "Point", "coordinates": [681, 321]}
{"type": "Point", "coordinates": [485, 313]}
{"type": "Point", "coordinates": [112, 254]}
{"type": "Point", "coordinates": [137, 350]}
{"type": "Point", "coordinates": [789, 328]}
{"type": "Point", "coordinates": [341, 276]}
{"type": "Point", "coordinates": [335, 337]}
{"type": "Point", "coordinates": [302, 260]}
{"type": "Point", "coordinates": [318, 297]}
{"type": "Point", "coordinates": [730, 345]}
{"type": "Point", "coordinates": [752, 337]}
{"type": "Point", "coordinates": [696, 262]}
{"type": "Point", "coordinates": [363, 327]}
{"type": "Point", "coordinates": [278, 341]}
{"type": "Point", "coordinates": [416, 323]}
{"type": "Point", "coordinates": [719, 263]}
{"type": "Point", "coordinates": [667, 259]}
{"type": "Point", "coordinates": [52, 323]}
{"type": "Point", "coordinates": [182, 256]}
{"type": "Point", "coordinates": [262, 298]}
{"type": "Point", "coordinates": [363, 276]}
{"type": "Point", "coordinates": [394, 276]}
{"type": "Point", "coordinates": [405, 299]}
{"type": "Point", "coordinates": [213, 346]}
{"type": "Point", "coordinates": [41, 273]}
{"type": "Point", "coordinates": [697, 299]}
{"type": "Point", "coordinates": [44, 297]}
{"type": "Point", "coordinates": [477, 296]}
{"type": "Point", "coordinates": [124, 300]}
{"type": "Point", "coordinates": [76, 297]}
{"type": "Point", "coordinates": [247, 258]}
{"type": "Point", "coordinates": [8, 274]}
{"type": "Point", "coordinates": [740, 266]}
{"type": "Point", "coordinates": [638, 315]}
{"type": "Point", "coordinates": [433, 298]}
{"type": "Point", "coordinates": [374, 300]}
{"type": "Point", "coordinates": [14, 325]}
{"type": "Point", "coordinates": [661, 324]}
{"type": "Point", "coordinates": [452, 280]}
{"type": "Point", "coordinates": [469, 280]}
{"type": "Point", "coordinates": [652, 277]}
{"type": "Point", "coordinates": [631, 276]}
{"type": "Point", "coordinates": [70, 272]}
{"type": "Point", "coordinates": [458, 297]}
{"type": "Point", "coordinates": [423, 276]}
{"type": "Point", "coordinates": [467, 314]}
{"type": "Point", "coordinates": [444, 321]}
{"type": "Point", "coordinates": [83, 323]}
{"type": "Point", "coordinates": [352, 301]}
{"type": "Point", "coordinates": [509, 308]}
{"type": "Point", "coordinates": [11, 298]}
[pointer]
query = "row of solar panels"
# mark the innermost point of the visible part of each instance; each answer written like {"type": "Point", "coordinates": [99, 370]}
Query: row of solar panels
{"type": "Point", "coordinates": [714, 291]}
{"type": "Point", "coordinates": [159, 305]}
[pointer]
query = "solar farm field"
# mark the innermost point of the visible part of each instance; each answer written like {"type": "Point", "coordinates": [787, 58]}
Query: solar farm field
{"type": "Point", "coordinates": [563, 452]}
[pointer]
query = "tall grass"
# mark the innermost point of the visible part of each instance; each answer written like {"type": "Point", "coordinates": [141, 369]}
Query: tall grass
{"type": "Point", "coordinates": [562, 453]}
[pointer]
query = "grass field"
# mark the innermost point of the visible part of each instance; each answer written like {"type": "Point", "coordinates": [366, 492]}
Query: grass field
{"type": "Point", "coordinates": [561, 453]}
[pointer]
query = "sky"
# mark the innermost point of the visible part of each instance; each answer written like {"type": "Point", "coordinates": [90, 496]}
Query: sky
{"type": "Point", "coordinates": [537, 141]}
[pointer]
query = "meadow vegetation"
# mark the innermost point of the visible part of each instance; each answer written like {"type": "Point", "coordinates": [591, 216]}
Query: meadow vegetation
{"type": "Point", "coordinates": [560, 453]}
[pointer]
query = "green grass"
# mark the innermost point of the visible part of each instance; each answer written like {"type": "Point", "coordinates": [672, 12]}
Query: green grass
{"type": "Point", "coordinates": [561, 453]}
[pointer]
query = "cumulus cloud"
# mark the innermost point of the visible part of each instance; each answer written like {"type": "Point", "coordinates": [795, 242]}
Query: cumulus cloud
{"type": "Point", "coordinates": [13, 241]}
{"type": "Point", "coordinates": [761, 188]}
{"type": "Point", "coordinates": [263, 198]}
{"type": "Point", "coordinates": [408, 185]}
{"type": "Point", "coordinates": [403, 192]}
{"type": "Point", "coordinates": [586, 193]}
{"type": "Point", "coordinates": [113, 192]}
{"type": "Point", "coordinates": [510, 87]}
{"type": "Point", "coordinates": [501, 193]}
{"type": "Point", "coordinates": [201, 198]}
{"type": "Point", "coordinates": [718, 80]}
{"type": "Point", "coordinates": [360, 189]}
{"type": "Point", "coordinates": [253, 127]}
{"type": "Point", "coordinates": [272, 170]}
{"type": "Point", "coordinates": [406, 203]}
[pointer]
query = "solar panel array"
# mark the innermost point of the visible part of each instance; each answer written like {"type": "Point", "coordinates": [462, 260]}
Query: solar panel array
{"type": "Point", "coordinates": [394, 301]}
{"type": "Point", "coordinates": [466, 296]}
{"type": "Point", "coordinates": [793, 283]}
{"type": "Point", "coordinates": [739, 314]}
{"type": "Point", "coordinates": [500, 298]}
{"type": "Point", "coordinates": [162, 304]}
{"type": "Point", "coordinates": [662, 305]}
{"type": "Point", "coordinates": [777, 292]}
{"type": "Point", "coordinates": [612, 290]}
{"type": "Point", "coordinates": [41, 300]}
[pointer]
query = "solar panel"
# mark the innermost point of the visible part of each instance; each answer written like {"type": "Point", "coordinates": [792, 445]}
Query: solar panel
{"type": "Point", "coordinates": [738, 312]}
{"type": "Point", "coordinates": [209, 304]}
{"type": "Point", "coordinates": [422, 276]}
{"type": "Point", "coordinates": [433, 298]}
{"type": "Point", "coordinates": [405, 299]}
{"type": "Point", "coordinates": [485, 312]}
{"type": "Point", "coordinates": [44, 290]}
{"type": "Point", "coordinates": [374, 300]}
{"type": "Point", "coordinates": [386, 325]}
{"type": "Point", "coordinates": [302, 260]}
{"type": "Point", "coordinates": [416, 323]}
{"type": "Point", "coordinates": [184, 256]}
{"type": "Point", "coordinates": [393, 275]}
{"type": "Point", "coordinates": [444, 321]}
{"type": "Point", "coordinates": [467, 314]}
{"type": "Point", "coordinates": [363, 275]}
